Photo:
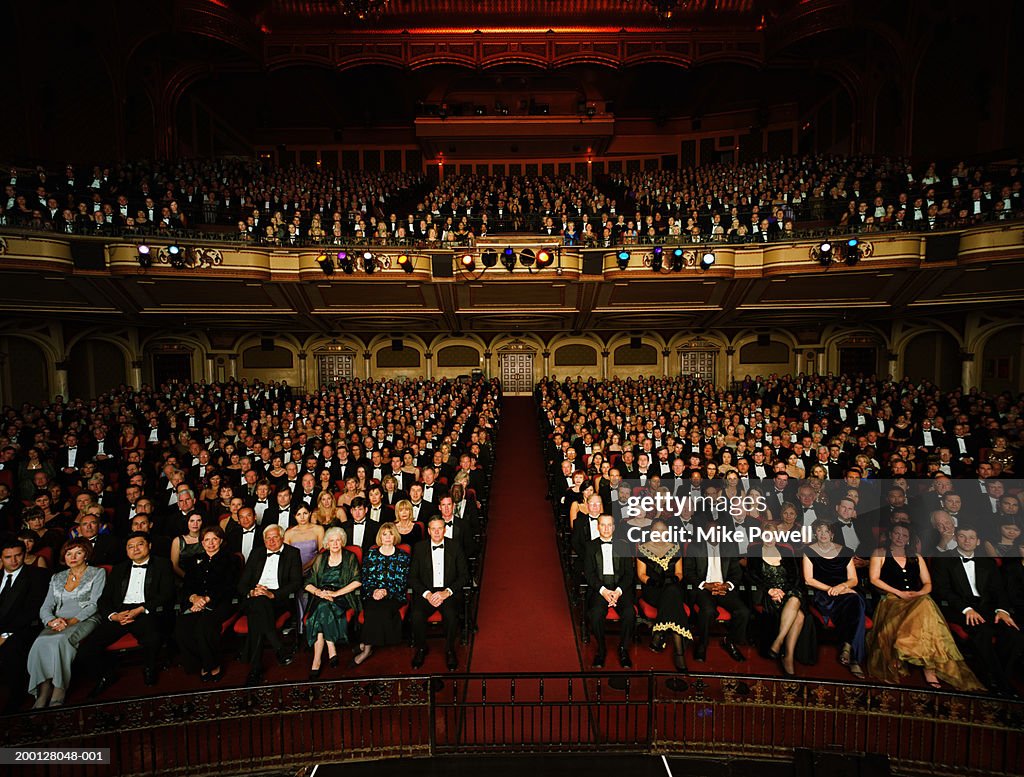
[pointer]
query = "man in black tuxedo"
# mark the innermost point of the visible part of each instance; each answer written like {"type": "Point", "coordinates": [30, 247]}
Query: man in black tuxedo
{"type": "Point", "coordinates": [585, 530]}
{"type": "Point", "coordinates": [138, 599]}
{"type": "Point", "coordinates": [779, 491]}
{"type": "Point", "coordinates": [106, 548]}
{"type": "Point", "coordinates": [466, 516]}
{"type": "Point", "coordinates": [973, 596]}
{"type": "Point", "coordinates": [22, 591]}
{"type": "Point", "coordinates": [282, 511]}
{"type": "Point", "coordinates": [360, 530]}
{"type": "Point", "coordinates": [609, 568]}
{"type": "Point", "coordinates": [404, 479]}
{"type": "Point", "coordinates": [272, 577]}
{"type": "Point", "coordinates": [243, 536]}
{"type": "Point", "coordinates": [378, 510]}
{"type": "Point", "coordinates": [437, 575]}
{"type": "Point", "coordinates": [712, 568]}
{"type": "Point", "coordinates": [10, 510]}
{"type": "Point", "coordinates": [476, 476]}
{"type": "Point", "coordinates": [432, 489]}
{"type": "Point", "coordinates": [421, 509]}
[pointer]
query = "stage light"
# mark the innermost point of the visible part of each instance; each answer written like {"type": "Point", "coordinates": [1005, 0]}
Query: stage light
{"type": "Point", "coordinates": [707, 260]}
{"type": "Point", "coordinates": [623, 259]}
{"type": "Point", "coordinates": [405, 262]}
{"type": "Point", "coordinates": [489, 258]}
{"type": "Point", "coordinates": [369, 262]}
{"type": "Point", "coordinates": [326, 264]}
{"type": "Point", "coordinates": [527, 257]}
{"type": "Point", "coordinates": [852, 251]}
{"type": "Point", "coordinates": [825, 253]}
{"type": "Point", "coordinates": [657, 258]}
{"type": "Point", "coordinates": [544, 258]}
{"type": "Point", "coordinates": [678, 260]}
{"type": "Point", "coordinates": [508, 258]}
{"type": "Point", "coordinates": [145, 258]}
{"type": "Point", "coordinates": [468, 263]}
{"type": "Point", "coordinates": [345, 262]}
{"type": "Point", "coordinates": [176, 256]}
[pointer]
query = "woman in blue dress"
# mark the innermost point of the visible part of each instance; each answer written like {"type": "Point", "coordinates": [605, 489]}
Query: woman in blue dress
{"type": "Point", "coordinates": [333, 580]}
{"type": "Point", "coordinates": [385, 580]}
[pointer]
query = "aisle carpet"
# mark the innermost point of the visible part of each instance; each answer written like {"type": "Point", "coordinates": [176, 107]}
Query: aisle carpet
{"type": "Point", "coordinates": [525, 624]}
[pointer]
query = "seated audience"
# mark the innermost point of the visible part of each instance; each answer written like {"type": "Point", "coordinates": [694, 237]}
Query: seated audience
{"type": "Point", "coordinates": [385, 577]}
{"type": "Point", "coordinates": [22, 591]}
{"type": "Point", "coordinates": [438, 573]}
{"type": "Point", "coordinates": [609, 571]}
{"type": "Point", "coordinates": [332, 583]}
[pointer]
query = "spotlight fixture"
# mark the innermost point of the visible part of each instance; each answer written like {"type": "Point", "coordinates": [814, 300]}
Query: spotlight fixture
{"type": "Point", "coordinates": [544, 258]}
{"type": "Point", "coordinates": [345, 262]}
{"type": "Point", "coordinates": [527, 257]}
{"type": "Point", "coordinates": [405, 262]}
{"type": "Point", "coordinates": [678, 260]}
{"type": "Point", "coordinates": [707, 260]}
{"type": "Point", "coordinates": [657, 258]}
{"type": "Point", "coordinates": [369, 262]}
{"type": "Point", "coordinates": [825, 254]}
{"type": "Point", "coordinates": [326, 264]}
{"type": "Point", "coordinates": [176, 256]}
{"type": "Point", "coordinates": [489, 258]}
{"type": "Point", "coordinates": [467, 262]}
{"type": "Point", "coordinates": [852, 251]}
{"type": "Point", "coordinates": [508, 258]}
{"type": "Point", "coordinates": [623, 259]}
{"type": "Point", "coordinates": [145, 258]}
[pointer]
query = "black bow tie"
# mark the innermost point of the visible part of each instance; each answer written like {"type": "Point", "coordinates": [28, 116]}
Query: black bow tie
{"type": "Point", "coordinates": [439, 547]}
{"type": "Point", "coordinates": [607, 542]}
{"type": "Point", "coordinates": [249, 531]}
{"type": "Point", "coordinates": [75, 448]}
{"type": "Point", "coordinates": [273, 553]}
{"type": "Point", "coordinates": [967, 560]}
{"type": "Point", "coordinates": [262, 501]}
{"type": "Point", "coordinates": [140, 566]}
{"type": "Point", "coordinates": [448, 523]}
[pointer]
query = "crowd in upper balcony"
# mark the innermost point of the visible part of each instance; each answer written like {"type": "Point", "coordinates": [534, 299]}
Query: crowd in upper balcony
{"type": "Point", "coordinates": [763, 201]}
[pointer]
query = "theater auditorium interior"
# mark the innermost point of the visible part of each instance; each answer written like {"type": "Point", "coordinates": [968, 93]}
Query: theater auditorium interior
{"type": "Point", "coordinates": [560, 386]}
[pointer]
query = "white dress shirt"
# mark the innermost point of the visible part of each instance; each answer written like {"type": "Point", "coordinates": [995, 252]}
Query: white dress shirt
{"type": "Point", "coordinates": [269, 577]}
{"type": "Point", "coordinates": [136, 592]}
{"type": "Point", "coordinates": [248, 538]}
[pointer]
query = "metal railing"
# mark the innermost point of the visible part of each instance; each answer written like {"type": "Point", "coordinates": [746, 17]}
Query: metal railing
{"type": "Point", "coordinates": [287, 726]}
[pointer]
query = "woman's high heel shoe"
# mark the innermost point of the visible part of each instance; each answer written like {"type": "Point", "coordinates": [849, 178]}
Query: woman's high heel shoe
{"type": "Point", "coordinates": [332, 661]}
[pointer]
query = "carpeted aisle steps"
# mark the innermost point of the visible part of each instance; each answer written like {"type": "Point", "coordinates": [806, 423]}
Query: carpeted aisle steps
{"type": "Point", "coordinates": [525, 624]}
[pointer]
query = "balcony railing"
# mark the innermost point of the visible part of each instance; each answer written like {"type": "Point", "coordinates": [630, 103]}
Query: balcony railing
{"type": "Point", "coordinates": [287, 726]}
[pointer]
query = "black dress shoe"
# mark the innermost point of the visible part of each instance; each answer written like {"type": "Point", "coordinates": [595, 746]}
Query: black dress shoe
{"type": "Point", "coordinates": [658, 642]}
{"type": "Point", "coordinates": [104, 682]}
{"type": "Point", "coordinates": [419, 657]}
{"type": "Point", "coordinates": [255, 677]}
{"type": "Point", "coordinates": [734, 652]}
{"type": "Point", "coordinates": [679, 661]}
{"type": "Point", "coordinates": [700, 652]}
{"type": "Point", "coordinates": [624, 660]}
{"type": "Point", "coordinates": [598, 662]}
{"type": "Point", "coordinates": [149, 676]}
{"type": "Point", "coordinates": [284, 657]}
{"type": "Point", "coordinates": [216, 678]}
{"type": "Point", "coordinates": [451, 661]}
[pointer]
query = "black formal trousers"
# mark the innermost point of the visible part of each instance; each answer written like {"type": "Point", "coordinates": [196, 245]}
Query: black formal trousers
{"type": "Point", "coordinates": [997, 647]}
{"type": "Point", "coordinates": [420, 610]}
{"type": "Point", "coordinates": [198, 634]}
{"type": "Point", "coordinates": [597, 612]}
{"type": "Point", "coordinates": [13, 660]}
{"type": "Point", "coordinates": [708, 612]}
{"type": "Point", "coordinates": [150, 630]}
{"type": "Point", "coordinates": [262, 613]}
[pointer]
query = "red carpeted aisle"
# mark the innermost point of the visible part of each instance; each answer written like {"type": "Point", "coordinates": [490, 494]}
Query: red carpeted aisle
{"type": "Point", "coordinates": [525, 624]}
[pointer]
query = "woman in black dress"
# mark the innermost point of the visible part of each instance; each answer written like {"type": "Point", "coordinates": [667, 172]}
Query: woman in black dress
{"type": "Point", "coordinates": [786, 632]}
{"type": "Point", "coordinates": [659, 567]}
{"type": "Point", "coordinates": [829, 569]}
{"type": "Point", "coordinates": [385, 582]}
{"type": "Point", "coordinates": [207, 591]}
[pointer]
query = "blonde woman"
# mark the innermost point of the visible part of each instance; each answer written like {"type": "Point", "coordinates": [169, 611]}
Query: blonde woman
{"type": "Point", "coordinates": [408, 530]}
{"type": "Point", "coordinates": [351, 492]}
{"type": "Point", "coordinates": [324, 513]}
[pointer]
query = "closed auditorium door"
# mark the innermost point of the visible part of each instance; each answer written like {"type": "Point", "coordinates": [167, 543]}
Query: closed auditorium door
{"type": "Point", "coordinates": [335, 367]}
{"type": "Point", "coordinates": [516, 372]}
{"type": "Point", "coordinates": [698, 364]}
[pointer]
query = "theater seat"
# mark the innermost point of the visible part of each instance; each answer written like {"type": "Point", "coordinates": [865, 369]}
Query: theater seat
{"type": "Point", "coordinates": [830, 624]}
{"type": "Point", "coordinates": [127, 642]}
{"type": "Point", "coordinates": [241, 626]}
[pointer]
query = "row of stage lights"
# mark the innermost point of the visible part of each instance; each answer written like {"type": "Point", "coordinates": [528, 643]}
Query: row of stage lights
{"type": "Point", "coordinates": [367, 262]}
{"type": "Point", "coordinates": [532, 260]}
{"type": "Point", "coordinates": [676, 261]}
{"type": "Point", "coordinates": [849, 251]}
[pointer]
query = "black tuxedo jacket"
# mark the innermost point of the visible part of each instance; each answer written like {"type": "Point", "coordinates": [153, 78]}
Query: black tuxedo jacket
{"type": "Point", "coordinates": [60, 461]}
{"type": "Point", "coordinates": [233, 537]}
{"type": "Point", "coordinates": [695, 565]}
{"type": "Point", "coordinates": [369, 533]}
{"type": "Point", "coordinates": [953, 587]}
{"type": "Point", "coordinates": [289, 572]}
{"type": "Point", "coordinates": [159, 589]}
{"type": "Point", "coordinates": [275, 511]}
{"type": "Point", "coordinates": [19, 612]}
{"type": "Point", "coordinates": [427, 511]}
{"type": "Point", "coordinates": [110, 448]}
{"type": "Point", "coordinates": [623, 564]}
{"type": "Point", "coordinates": [421, 571]}
{"type": "Point", "coordinates": [107, 549]}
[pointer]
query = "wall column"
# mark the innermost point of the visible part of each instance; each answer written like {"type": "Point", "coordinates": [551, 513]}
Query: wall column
{"type": "Point", "coordinates": [547, 362]}
{"type": "Point", "coordinates": [211, 368]}
{"type": "Point", "coordinates": [487, 365]}
{"type": "Point", "coordinates": [968, 374]}
{"type": "Point", "coordinates": [730, 352]}
{"type": "Point", "coordinates": [60, 372]}
{"type": "Point", "coordinates": [894, 364]}
{"type": "Point", "coordinates": [233, 365]}
{"type": "Point", "coordinates": [665, 354]}
{"type": "Point", "coordinates": [366, 362]}
{"type": "Point", "coordinates": [428, 357]}
{"type": "Point", "coordinates": [604, 365]}
{"type": "Point", "coordinates": [302, 370]}
{"type": "Point", "coordinates": [136, 374]}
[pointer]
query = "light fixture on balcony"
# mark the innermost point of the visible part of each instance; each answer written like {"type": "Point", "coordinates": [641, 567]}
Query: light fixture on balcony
{"type": "Point", "coordinates": [665, 8]}
{"type": "Point", "coordinates": [363, 10]}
